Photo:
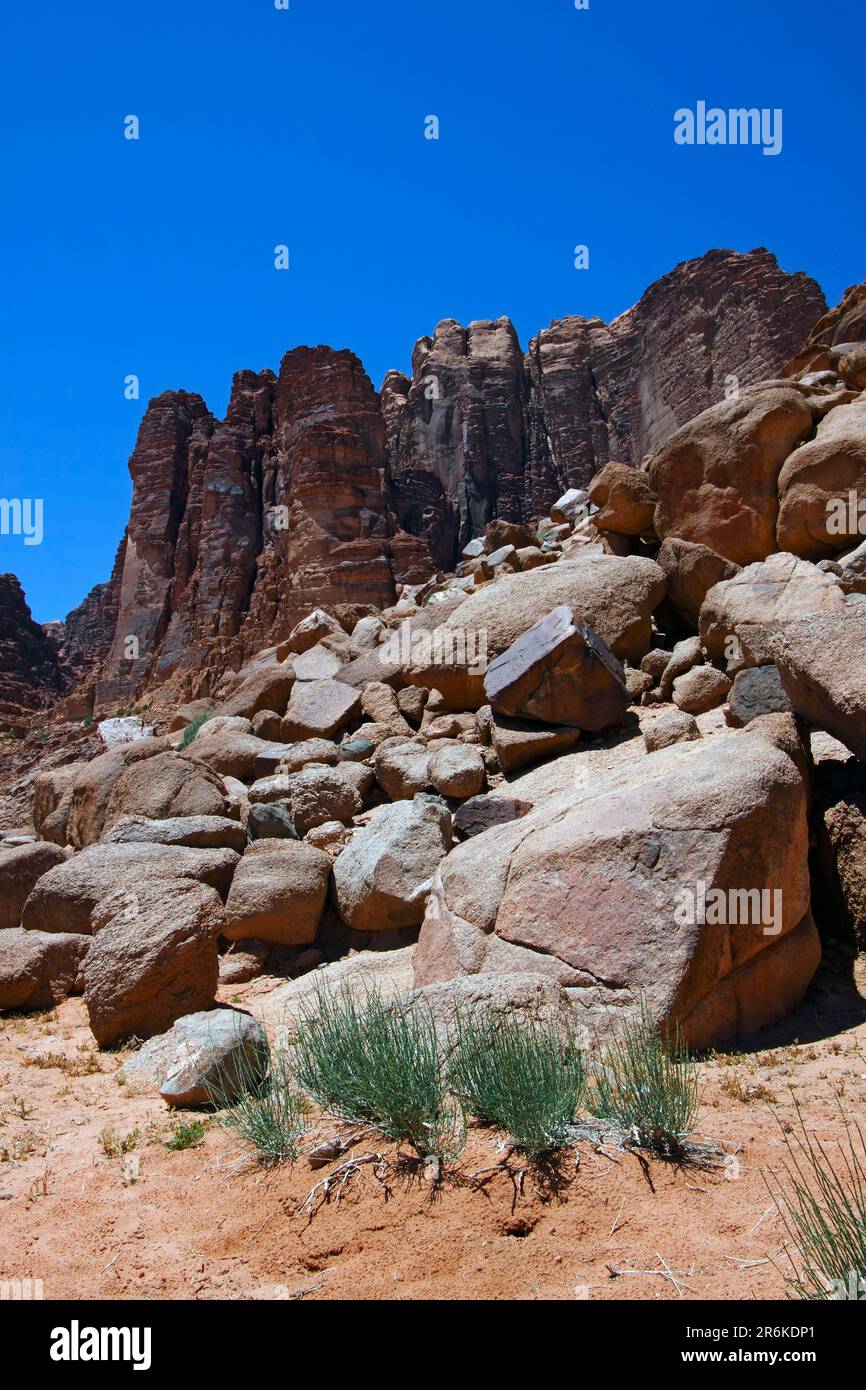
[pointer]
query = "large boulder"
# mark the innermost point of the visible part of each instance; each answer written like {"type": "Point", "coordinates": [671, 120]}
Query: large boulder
{"type": "Point", "coordinates": [153, 958]}
{"type": "Point", "coordinates": [383, 877]}
{"type": "Point", "coordinates": [196, 832]}
{"type": "Point", "coordinates": [66, 898]}
{"type": "Point", "coordinates": [52, 801]}
{"type": "Point", "coordinates": [456, 769]}
{"type": "Point", "coordinates": [608, 889]}
{"type": "Point", "coordinates": [625, 499]}
{"type": "Point", "coordinates": [316, 794]}
{"type": "Point", "coordinates": [716, 478]}
{"type": "Point", "coordinates": [268, 687]}
{"type": "Point", "coordinates": [227, 745]}
{"type": "Point", "coordinates": [94, 784]}
{"type": "Point", "coordinates": [216, 1053]}
{"type": "Point", "coordinates": [558, 672]}
{"type": "Point", "coordinates": [278, 893]}
{"type": "Point", "coordinates": [38, 969]}
{"type": "Point", "coordinates": [402, 768]}
{"type": "Point", "coordinates": [164, 787]}
{"type": "Point", "coordinates": [529, 998]}
{"type": "Point", "coordinates": [761, 600]}
{"type": "Point", "coordinates": [20, 870]}
{"type": "Point", "coordinates": [821, 663]}
{"type": "Point", "coordinates": [615, 595]}
{"type": "Point", "coordinates": [816, 519]}
{"type": "Point", "coordinates": [692, 570]}
{"type": "Point", "coordinates": [519, 742]}
{"type": "Point", "coordinates": [319, 709]}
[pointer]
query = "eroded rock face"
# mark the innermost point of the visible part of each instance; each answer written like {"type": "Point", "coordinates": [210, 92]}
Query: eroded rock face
{"type": "Point", "coordinates": [30, 674]}
{"type": "Point", "coordinates": [591, 890]}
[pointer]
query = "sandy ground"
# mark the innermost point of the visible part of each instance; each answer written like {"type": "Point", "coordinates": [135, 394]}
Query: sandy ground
{"type": "Point", "coordinates": [205, 1222]}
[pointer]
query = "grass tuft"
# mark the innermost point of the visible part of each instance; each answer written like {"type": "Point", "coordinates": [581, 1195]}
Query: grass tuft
{"type": "Point", "coordinates": [524, 1077]}
{"type": "Point", "coordinates": [647, 1086]}
{"type": "Point", "coordinates": [191, 730]}
{"type": "Point", "coordinates": [379, 1064]}
{"type": "Point", "coordinates": [263, 1109]}
{"type": "Point", "coordinates": [823, 1206]}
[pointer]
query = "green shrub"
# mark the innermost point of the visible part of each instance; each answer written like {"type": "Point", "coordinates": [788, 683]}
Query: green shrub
{"type": "Point", "coordinates": [379, 1064]}
{"type": "Point", "coordinates": [526, 1078]}
{"type": "Point", "coordinates": [262, 1109]}
{"type": "Point", "coordinates": [823, 1206]}
{"type": "Point", "coordinates": [186, 1136]}
{"type": "Point", "coordinates": [192, 729]}
{"type": "Point", "coordinates": [647, 1086]}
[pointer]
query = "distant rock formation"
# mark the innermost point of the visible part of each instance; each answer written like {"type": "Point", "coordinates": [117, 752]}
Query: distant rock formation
{"type": "Point", "coordinates": [316, 490]}
{"type": "Point", "coordinates": [30, 671]}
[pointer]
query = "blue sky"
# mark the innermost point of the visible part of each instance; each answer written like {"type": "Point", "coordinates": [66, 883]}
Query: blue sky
{"type": "Point", "coordinates": [306, 127]}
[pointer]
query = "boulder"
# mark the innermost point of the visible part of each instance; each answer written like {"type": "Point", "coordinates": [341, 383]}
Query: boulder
{"type": "Point", "coordinates": [153, 958]}
{"type": "Point", "coordinates": [270, 821]}
{"type": "Point", "coordinates": [840, 859]}
{"type": "Point", "coordinates": [685, 656]}
{"type": "Point", "coordinates": [820, 661]}
{"type": "Point", "coordinates": [519, 742]}
{"type": "Point", "coordinates": [320, 709]}
{"type": "Point", "coordinates": [701, 689]}
{"type": "Point", "coordinates": [606, 889]}
{"type": "Point", "coordinates": [52, 801]}
{"type": "Point", "coordinates": [267, 688]}
{"type": "Point", "coordinates": [185, 714]}
{"type": "Point", "coordinates": [315, 794]}
{"type": "Point", "coordinates": [309, 631]}
{"type": "Point", "coordinates": [383, 877]}
{"type": "Point", "coordinates": [165, 787]}
{"type": "Point", "coordinates": [94, 784]}
{"type": "Point", "coordinates": [615, 595]}
{"type": "Point", "coordinates": [317, 663]}
{"type": "Point", "coordinates": [267, 725]}
{"type": "Point", "coordinates": [67, 897]}
{"type": "Point", "coordinates": [309, 750]}
{"type": "Point", "coordinates": [196, 832]}
{"type": "Point", "coordinates": [692, 570]}
{"type": "Point", "coordinates": [20, 870]}
{"type": "Point", "coordinates": [558, 672]}
{"type": "Point", "coordinates": [38, 969]}
{"type": "Point", "coordinates": [278, 893]}
{"type": "Point", "coordinates": [816, 484]}
{"type": "Point", "coordinates": [218, 1050]}
{"type": "Point", "coordinates": [402, 769]}
{"type": "Point", "coordinates": [456, 770]}
{"type": "Point", "coordinates": [716, 477]}
{"type": "Point", "coordinates": [625, 499]}
{"type": "Point", "coordinates": [243, 962]}
{"type": "Point", "coordinates": [380, 704]}
{"type": "Point", "coordinates": [672, 726]}
{"type": "Point", "coordinates": [761, 600]}
{"type": "Point", "coordinates": [527, 997]}
{"type": "Point", "coordinates": [756, 691]}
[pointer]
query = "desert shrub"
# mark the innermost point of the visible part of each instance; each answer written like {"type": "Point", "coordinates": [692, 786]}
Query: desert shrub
{"type": "Point", "coordinates": [263, 1108]}
{"type": "Point", "coordinates": [379, 1064]}
{"type": "Point", "coordinates": [647, 1087]}
{"type": "Point", "coordinates": [823, 1205]}
{"type": "Point", "coordinates": [186, 1135]}
{"type": "Point", "coordinates": [527, 1078]}
{"type": "Point", "coordinates": [192, 729]}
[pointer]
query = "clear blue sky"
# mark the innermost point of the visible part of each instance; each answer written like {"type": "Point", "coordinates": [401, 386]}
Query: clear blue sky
{"type": "Point", "coordinates": [261, 126]}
